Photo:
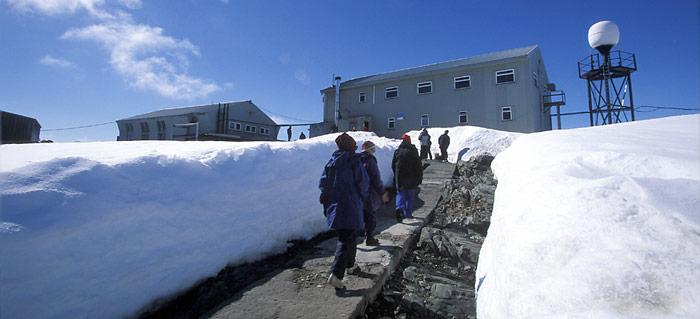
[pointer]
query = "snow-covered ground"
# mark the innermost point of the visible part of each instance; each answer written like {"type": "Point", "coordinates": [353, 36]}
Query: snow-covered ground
{"type": "Point", "coordinates": [97, 230]}
{"type": "Point", "coordinates": [597, 222]}
{"type": "Point", "coordinates": [478, 140]}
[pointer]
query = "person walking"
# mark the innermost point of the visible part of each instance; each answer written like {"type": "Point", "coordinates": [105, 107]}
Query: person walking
{"type": "Point", "coordinates": [408, 174]}
{"type": "Point", "coordinates": [302, 136]}
{"type": "Point", "coordinates": [444, 143]}
{"type": "Point", "coordinates": [424, 139]}
{"type": "Point", "coordinates": [289, 133]}
{"type": "Point", "coordinates": [344, 187]}
{"type": "Point", "coordinates": [376, 192]}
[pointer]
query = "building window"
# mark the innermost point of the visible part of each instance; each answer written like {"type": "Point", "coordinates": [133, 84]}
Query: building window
{"type": "Point", "coordinates": [534, 79]}
{"type": "Point", "coordinates": [391, 123]}
{"type": "Point", "coordinates": [161, 130]}
{"type": "Point", "coordinates": [253, 129]}
{"type": "Point", "coordinates": [425, 120]}
{"type": "Point", "coordinates": [463, 119]}
{"type": "Point", "coordinates": [144, 131]}
{"type": "Point", "coordinates": [362, 97]}
{"type": "Point", "coordinates": [505, 76]}
{"type": "Point", "coordinates": [463, 82]}
{"type": "Point", "coordinates": [506, 113]}
{"type": "Point", "coordinates": [264, 131]}
{"type": "Point", "coordinates": [248, 128]}
{"type": "Point", "coordinates": [425, 87]}
{"type": "Point", "coordinates": [391, 92]}
{"type": "Point", "coordinates": [234, 126]}
{"type": "Point", "coordinates": [129, 131]}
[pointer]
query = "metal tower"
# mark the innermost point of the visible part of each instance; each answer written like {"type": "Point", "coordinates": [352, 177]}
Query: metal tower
{"type": "Point", "coordinates": [608, 77]}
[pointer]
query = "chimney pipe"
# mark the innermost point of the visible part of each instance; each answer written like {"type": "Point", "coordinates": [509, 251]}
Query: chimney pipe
{"type": "Point", "coordinates": [336, 83]}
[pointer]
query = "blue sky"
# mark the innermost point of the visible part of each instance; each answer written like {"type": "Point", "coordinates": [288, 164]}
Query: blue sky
{"type": "Point", "coordinates": [79, 62]}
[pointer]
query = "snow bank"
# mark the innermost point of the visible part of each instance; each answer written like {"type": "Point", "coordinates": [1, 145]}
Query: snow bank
{"type": "Point", "coordinates": [596, 223]}
{"type": "Point", "coordinates": [98, 230]}
{"type": "Point", "coordinates": [479, 140]}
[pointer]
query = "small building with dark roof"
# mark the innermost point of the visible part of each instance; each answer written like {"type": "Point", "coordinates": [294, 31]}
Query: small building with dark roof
{"type": "Point", "coordinates": [501, 90]}
{"type": "Point", "coordinates": [15, 128]}
{"type": "Point", "coordinates": [229, 121]}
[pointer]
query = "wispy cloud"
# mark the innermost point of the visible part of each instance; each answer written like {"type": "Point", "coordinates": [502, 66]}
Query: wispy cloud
{"type": "Point", "coordinates": [143, 55]}
{"type": "Point", "coordinates": [56, 7]}
{"type": "Point", "coordinates": [302, 76]}
{"type": "Point", "coordinates": [284, 58]}
{"type": "Point", "coordinates": [131, 4]}
{"type": "Point", "coordinates": [56, 62]}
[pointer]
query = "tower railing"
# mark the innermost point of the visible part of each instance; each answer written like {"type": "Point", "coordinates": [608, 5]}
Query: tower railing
{"type": "Point", "coordinates": [620, 63]}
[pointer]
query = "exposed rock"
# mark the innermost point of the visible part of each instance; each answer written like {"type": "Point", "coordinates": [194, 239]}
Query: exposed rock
{"type": "Point", "coordinates": [437, 280]}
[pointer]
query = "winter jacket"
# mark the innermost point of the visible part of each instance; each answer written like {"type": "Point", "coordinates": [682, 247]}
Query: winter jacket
{"type": "Point", "coordinates": [376, 186]}
{"type": "Point", "coordinates": [424, 139]}
{"type": "Point", "coordinates": [444, 141]}
{"type": "Point", "coordinates": [407, 166]}
{"type": "Point", "coordinates": [344, 187]}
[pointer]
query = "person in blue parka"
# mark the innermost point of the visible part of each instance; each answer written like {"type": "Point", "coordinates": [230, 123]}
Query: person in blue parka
{"type": "Point", "coordinates": [344, 187]}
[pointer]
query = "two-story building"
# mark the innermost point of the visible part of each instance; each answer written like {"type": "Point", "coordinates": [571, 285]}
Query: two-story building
{"type": "Point", "coordinates": [229, 121]}
{"type": "Point", "coordinates": [502, 90]}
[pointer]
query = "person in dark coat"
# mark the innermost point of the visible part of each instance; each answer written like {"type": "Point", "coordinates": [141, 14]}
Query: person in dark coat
{"type": "Point", "coordinates": [408, 174]}
{"type": "Point", "coordinates": [425, 143]}
{"type": "Point", "coordinates": [376, 191]}
{"type": "Point", "coordinates": [444, 143]}
{"type": "Point", "coordinates": [302, 136]}
{"type": "Point", "coordinates": [289, 133]}
{"type": "Point", "coordinates": [344, 187]}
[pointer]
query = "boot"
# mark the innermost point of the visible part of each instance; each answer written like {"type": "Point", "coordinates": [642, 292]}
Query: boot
{"type": "Point", "coordinates": [399, 215]}
{"type": "Point", "coordinates": [335, 282]}
{"type": "Point", "coordinates": [371, 241]}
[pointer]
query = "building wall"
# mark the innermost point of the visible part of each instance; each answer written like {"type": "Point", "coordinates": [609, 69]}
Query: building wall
{"type": "Point", "coordinates": [482, 100]}
{"type": "Point", "coordinates": [16, 128]}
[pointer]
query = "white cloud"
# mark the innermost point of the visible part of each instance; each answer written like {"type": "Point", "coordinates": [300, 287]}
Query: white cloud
{"type": "Point", "coordinates": [141, 54]}
{"type": "Point", "coordinates": [56, 7]}
{"type": "Point", "coordinates": [302, 76]}
{"type": "Point", "coordinates": [131, 4]}
{"type": "Point", "coordinates": [145, 58]}
{"type": "Point", "coordinates": [57, 62]}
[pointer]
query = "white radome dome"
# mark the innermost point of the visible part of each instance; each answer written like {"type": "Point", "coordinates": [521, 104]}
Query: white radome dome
{"type": "Point", "coordinates": [603, 33]}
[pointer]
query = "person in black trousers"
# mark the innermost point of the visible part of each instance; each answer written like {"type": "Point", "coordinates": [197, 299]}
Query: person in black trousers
{"type": "Point", "coordinates": [444, 143]}
{"type": "Point", "coordinates": [344, 188]}
{"type": "Point", "coordinates": [376, 192]}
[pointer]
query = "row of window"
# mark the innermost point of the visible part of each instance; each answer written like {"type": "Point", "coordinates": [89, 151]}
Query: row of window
{"type": "Point", "coordinates": [248, 128]}
{"type": "Point", "coordinates": [462, 118]}
{"type": "Point", "coordinates": [460, 82]}
{"type": "Point", "coordinates": [145, 130]}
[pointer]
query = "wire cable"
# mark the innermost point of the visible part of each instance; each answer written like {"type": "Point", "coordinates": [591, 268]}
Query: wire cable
{"type": "Point", "coordinates": [287, 117]}
{"type": "Point", "coordinates": [656, 108]}
{"type": "Point", "coordinates": [76, 127]}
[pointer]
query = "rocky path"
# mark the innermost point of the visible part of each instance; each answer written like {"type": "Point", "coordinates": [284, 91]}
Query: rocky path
{"type": "Point", "coordinates": [436, 279]}
{"type": "Point", "coordinates": [292, 285]}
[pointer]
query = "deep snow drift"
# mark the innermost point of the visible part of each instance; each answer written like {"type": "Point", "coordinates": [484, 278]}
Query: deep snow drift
{"type": "Point", "coordinates": [98, 230]}
{"type": "Point", "coordinates": [597, 222]}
